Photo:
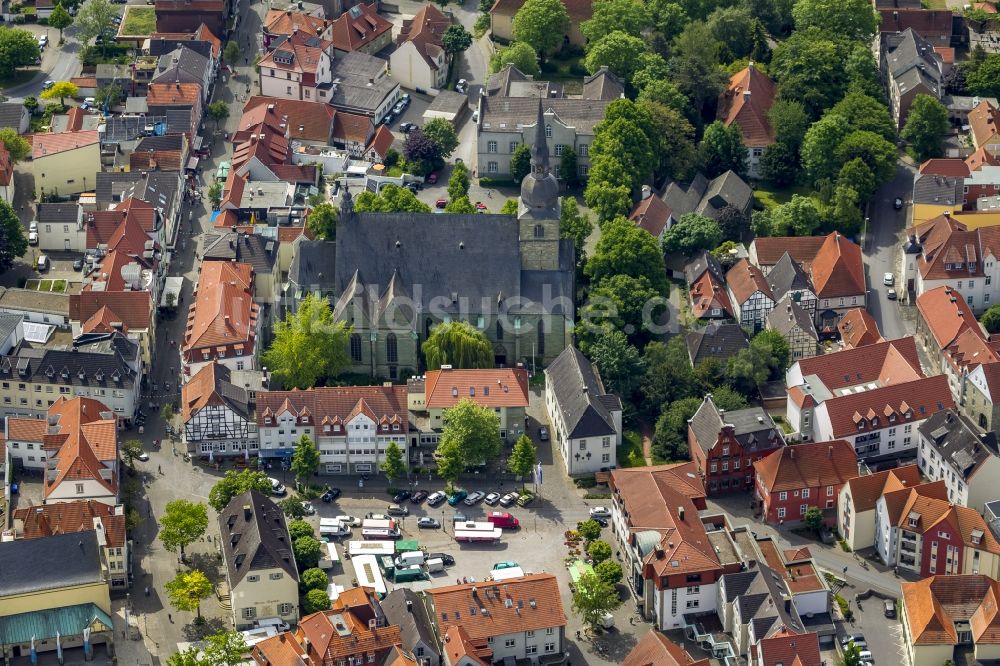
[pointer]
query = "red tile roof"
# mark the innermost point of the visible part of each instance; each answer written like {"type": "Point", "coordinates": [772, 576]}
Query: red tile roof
{"type": "Point", "coordinates": [952, 167]}
{"type": "Point", "coordinates": [707, 294]}
{"type": "Point", "coordinates": [381, 142]}
{"type": "Point", "coordinates": [802, 249]}
{"type": "Point", "coordinates": [353, 128]}
{"type": "Point", "coordinates": [788, 649]}
{"type": "Point", "coordinates": [746, 103]}
{"type": "Point", "coordinates": [335, 405]}
{"type": "Point", "coordinates": [65, 517]}
{"type": "Point", "coordinates": [808, 465]}
{"type": "Point", "coordinates": [278, 22]}
{"type": "Point", "coordinates": [6, 167]}
{"type": "Point", "coordinates": [794, 566]}
{"type": "Point", "coordinates": [838, 269]}
{"type": "Point", "coordinates": [104, 320]}
{"type": "Point", "coordinates": [426, 30]}
{"type": "Point", "coordinates": [931, 24]}
{"type": "Point", "coordinates": [133, 307]}
{"type": "Point", "coordinates": [866, 490]}
{"type": "Point", "coordinates": [534, 604]}
{"type": "Point", "coordinates": [349, 32]}
{"type": "Point", "coordinates": [578, 10]}
{"type": "Point", "coordinates": [202, 34]}
{"type": "Point", "coordinates": [497, 387]}
{"type": "Point", "coordinates": [309, 121]}
{"type": "Point", "coordinates": [46, 145]}
{"type": "Point", "coordinates": [296, 55]}
{"type": "Point", "coordinates": [329, 642]}
{"type": "Point", "coordinates": [223, 313]}
{"type": "Point", "coordinates": [947, 314]}
{"type": "Point", "coordinates": [984, 121]}
{"type": "Point", "coordinates": [745, 280]}
{"type": "Point", "coordinates": [981, 158]}
{"type": "Point", "coordinates": [173, 94]}
{"type": "Point", "coordinates": [458, 647]}
{"type": "Point", "coordinates": [948, 248]}
{"type": "Point", "coordinates": [655, 649]}
{"type": "Point", "coordinates": [651, 214]}
{"type": "Point", "coordinates": [896, 360]}
{"type": "Point", "coordinates": [857, 328]}
{"type": "Point", "coordinates": [933, 606]}
{"type": "Point", "coordinates": [90, 438]}
{"type": "Point", "coordinates": [933, 511]}
{"type": "Point", "coordinates": [919, 398]}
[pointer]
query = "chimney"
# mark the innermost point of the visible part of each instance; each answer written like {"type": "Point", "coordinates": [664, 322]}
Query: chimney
{"type": "Point", "coordinates": [680, 512]}
{"type": "Point", "coordinates": [647, 191]}
{"type": "Point", "coordinates": [791, 453]}
{"type": "Point", "coordinates": [247, 512]}
{"type": "Point", "coordinates": [829, 452]}
{"type": "Point", "coordinates": [746, 95]}
{"type": "Point", "coordinates": [409, 606]}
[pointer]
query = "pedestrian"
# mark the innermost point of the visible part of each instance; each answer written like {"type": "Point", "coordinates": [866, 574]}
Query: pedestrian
{"type": "Point", "coordinates": [169, 617]}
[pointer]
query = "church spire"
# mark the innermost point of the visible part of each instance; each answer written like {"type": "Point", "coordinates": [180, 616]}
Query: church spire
{"type": "Point", "coordinates": [540, 148]}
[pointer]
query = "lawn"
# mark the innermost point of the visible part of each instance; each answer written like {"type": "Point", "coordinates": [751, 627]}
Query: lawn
{"type": "Point", "coordinates": [139, 21]}
{"type": "Point", "coordinates": [934, 4]}
{"type": "Point", "coordinates": [57, 286]}
{"type": "Point", "coordinates": [769, 198]}
{"type": "Point", "coordinates": [630, 450]}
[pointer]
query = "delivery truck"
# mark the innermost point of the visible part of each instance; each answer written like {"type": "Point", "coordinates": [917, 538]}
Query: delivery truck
{"type": "Point", "coordinates": [503, 520]}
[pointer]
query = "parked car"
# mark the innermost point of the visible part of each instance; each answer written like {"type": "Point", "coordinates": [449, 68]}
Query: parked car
{"type": "Point", "coordinates": [444, 557]}
{"type": "Point", "coordinates": [543, 434]}
{"type": "Point", "coordinates": [492, 499]}
{"type": "Point", "coordinates": [459, 517]}
{"type": "Point", "coordinates": [600, 512]}
{"type": "Point", "coordinates": [457, 497]}
{"type": "Point", "coordinates": [330, 494]}
{"type": "Point", "coordinates": [888, 279]}
{"type": "Point", "coordinates": [144, 457]}
{"type": "Point", "coordinates": [418, 497]}
{"type": "Point", "coordinates": [859, 640]}
{"type": "Point", "coordinates": [77, 264]}
{"type": "Point", "coordinates": [401, 496]}
{"type": "Point", "coordinates": [406, 128]}
{"type": "Point", "coordinates": [481, 207]}
{"type": "Point", "coordinates": [474, 498]}
{"type": "Point", "coordinates": [508, 499]}
{"type": "Point", "coordinates": [897, 203]}
{"type": "Point", "coordinates": [890, 294]}
{"type": "Point", "coordinates": [889, 608]}
{"type": "Point", "coordinates": [525, 499]}
{"type": "Point", "coordinates": [441, 203]}
{"type": "Point", "coordinates": [428, 523]}
{"type": "Point", "coordinates": [33, 238]}
{"type": "Point", "coordinates": [277, 489]}
{"type": "Point", "coordinates": [48, 84]}
{"type": "Point", "coordinates": [43, 263]}
{"type": "Point", "coordinates": [432, 177]}
{"type": "Point", "coordinates": [397, 510]}
{"type": "Point", "coordinates": [348, 520]}
{"type": "Point", "coordinates": [309, 509]}
{"type": "Point", "coordinates": [436, 498]}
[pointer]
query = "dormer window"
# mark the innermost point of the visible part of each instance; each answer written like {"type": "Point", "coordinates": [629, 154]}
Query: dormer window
{"type": "Point", "coordinates": [326, 428]}
{"type": "Point", "coordinates": [267, 420]}
{"type": "Point", "coordinates": [336, 428]}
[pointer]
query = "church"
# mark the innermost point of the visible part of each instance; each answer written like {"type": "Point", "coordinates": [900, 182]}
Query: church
{"type": "Point", "coordinates": [400, 274]}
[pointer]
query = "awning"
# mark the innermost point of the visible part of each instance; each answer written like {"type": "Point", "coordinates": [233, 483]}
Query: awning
{"type": "Point", "coordinates": [68, 621]}
{"type": "Point", "coordinates": [276, 453]}
{"type": "Point", "coordinates": [172, 285]}
{"type": "Point", "coordinates": [192, 163]}
{"type": "Point", "coordinates": [198, 139]}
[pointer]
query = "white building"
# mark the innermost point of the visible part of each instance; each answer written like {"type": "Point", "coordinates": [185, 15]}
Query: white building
{"type": "Point", "coordinates": [586, 421]}
{"type": "Point", "coordinates": [750, 295]}
{"type": "Point", "coordinates": [216, 414]}
{"type": "Point", "coordinates": [61, 227]}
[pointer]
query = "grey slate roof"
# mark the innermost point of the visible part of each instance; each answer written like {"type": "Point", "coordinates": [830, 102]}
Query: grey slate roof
{"type": "Point", "coordinates": [787, 315]}
{"type": "Point", "coordinates": [253, 249]}
{"type": "Point", "coordinates": [313, 266]}
{"type": "Point", "coordinates": [8, 323]}
{"type": "Point", "coordinates": [183, 65]}
{"type": "Point", "coordinates": [958, 441]}
{"type": "Point", "coordinates": [786, 276]}
{"type": "Point", "coordinates": [727, 189]}
{"type": "Point", "coordinates": [716, 340]}
{"type": "Point", "coordinates": [500, 114]}
{"type": "Point", "coordinates": [237, 398]}
{"type": "Point", "coordinates": [940, 190]}
{"type": "Point", "coordinates": [414, 622]}
{"type": "Point", "coordinates": [603, 85]}
{"type": "Point", "coordinates": [158, 188]}
{"type": "Point", "coordinates": [705, 261]}
{"type": "Point", "coordinates": [911, 61]}
{"type": "Point", "coordinates": [255, 536]}
{"type": "Point", "coordinates": [354, 70]}
{"type": "Point", "coordinates": [58, 213]}
{"type": "Point", "coordinates": [11, 114]}
{"type": "Point", "coordinates": [161, 46]}
{"type": "Point", "coordinates": [99, 357]}
{"type": "Point", "coordinates": [61, 560]}
{"type": "Point", "coordinates": [750, 424]}
{"type": "Point", "coordinates": [579, 393]}
{"type": "Point", "coordinates": [165, 142]}
{"type": "Point", "coordinates": [759, 594]}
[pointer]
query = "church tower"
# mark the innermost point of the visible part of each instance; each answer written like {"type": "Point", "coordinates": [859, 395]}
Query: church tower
{"type": "Point", "coordinates": [538, 207]}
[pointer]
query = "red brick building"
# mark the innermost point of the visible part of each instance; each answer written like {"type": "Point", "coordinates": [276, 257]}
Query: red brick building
{"type": "Point", "coordinates": [795, 478]}
{"type": "Point", "coordinates": [724, 445]}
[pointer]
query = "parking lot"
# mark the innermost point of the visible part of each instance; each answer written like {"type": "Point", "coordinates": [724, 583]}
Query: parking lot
{"type": "Point", "coordinates": [881, 633]}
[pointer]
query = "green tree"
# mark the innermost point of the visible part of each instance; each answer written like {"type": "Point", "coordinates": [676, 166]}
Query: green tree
{"type": "Point", "coordinates": [722, 150]}
{"type": "Point", "coordinates": [623, 302]}
{"type": "Point", "coordinates": [991, 319]}
{"type": "Point", "coordinates": [394, 465]}
{"type": "Point", "coordinates": [456, 39]}
{"type": "Point", "coordinates": [670, 436]}
{"type": "Point", "coordinates": [727, 399]}
{"type": "Point", "coordinates": [599, 551]}
{"type": "Point", "coordinates": [474, 429]}
{"type": "Point", "coordinates": [188, 589]}
{"type": "Point", "coordinates": [609, 571]}
{"type": "Point", "coordinates": [189, 657]}
{"type": "Point", "coordinates": [626, 249]}
{"type": "Point", "coordinates": [982, 75]}
{"type": "Point", "coordinates": [307, 552]}
{"type": "Point", "coordinates": [16, 145]}
{"type": "Point", "coordinates": [760, 48]}
{"type": "Point", "coordinates": [859, 177]}
{"type": "Point", "coordinates": [519, 54]}
{"type": "Point", "coordinates": [130, 452]}
{"type": "Point", "coordinates": [668, 375]}
{"type": "Point", "coordinates": [779, 165]}
{"type": "Point", "coordinates": [236, 483]}
{"type": "Point", "coordinates": [217, 111]}
{"type": "Point", "coordinates": [608, 200]}
{"type": "Point", "coordinates": [777, 349]}
{"type": "Point", "coordinates": [589, 529]}
{"type": "Point", "coordinates": [862, 71]}
{"type": "Point", "coordinates": [618, 361]}
{"type": "Point", "coordinates": [520, 162]}
{"type": "Point", "coordinates": [231, 54]}
{"type": "Point", "coordinates": [509, 207]}
{"type": "Point", "coordinates": [305, 460]}
{"type": "Point", "coordinates": [460, 206]}
{"type": "Point", "coordinates": [542, 24]}
{"type": "Point", "coordinates": [694, 66]}
{"type": "Point", "coordinates": [853, 19]}
{"type": "Point", "coordinates": [61, 90]}
{"type": "Point", "coordinates": [852, 655]}
{"type": "Point", "coordinates": [799, 217]}
{"type": "Point", "coordinates": [625, 134]}
{"type": "Point", "coordinates": [926, 126]}
{"type": "Point", "coordinates": [522, 459]}
{"type": "Point", "coordinates": [813, 518]}
{"type": "Point", "coordinates": [292, 507]}
{"type": "Point", "coordinates": [300, 528]}
{"type": "Point", "coordinates": [182, 523]}
{"type": "Point", "coordinates": [226, 648]}
{"type": "Point", "coordinates": [322, 221]}
{"type": "Point", "coordinates": [60, 19]}
{"type": "Point", "coordinates": [315, 601]}
{"type": "Point", "coordinates": [458, 183]}
{"type": "Point", "coordinates": [390, 199]}
{"type": "Point", "coordinates": [108, 96]}
{"type": "Point", "coordinates": [593, 598]}
{"type": "Point", "coordinates": [732, 27]}
{"type": "Point", "coordinates": [845, 209]}
{"type": "Point", "coordinates": [877, 153]}
{"type": "Point", "coordinates": [808, 67]}
{"type": "Point", "coordinates": [574, 224]}
{"type": "Point", "coordinates": [569, 167]}
{"type": "Point", "coordinates": [442, 134]}
{"type": "Point", "coordinates": [673, 141]}
{"type": "Point", "coordinates": [450, 462]}
{"type": "Point", "coordinates": [619, 52]}
{"type": "Point", "coordinates": [628, 16]}
{"type": "Point", "coordinates": [692, 233]}
{"type": "Point", "coordinates": [313, 579]}
{"type": "Point", "coordinates": [215, 194]}
{"type": "Point", "coordinates": [31, 104]}
{"type": "Point", "coordinates": [665, 93]}
{"type": "Point", "coordinates": [732, 223]}
{"type": "Point", "coordinates": [789, 122]}
{"type": "Point", "coordinates": [308, 345]}
{"type": "Point", "coordinates": [18, 48]}
{"type": "Point", "coordinates": [459, 345]}
{"type": "Point", "coordinates": [96, 17]}
{"type": "Point", "coordinates": [819, 147]}
{"type": "Point", "coordinates": [863, 112]}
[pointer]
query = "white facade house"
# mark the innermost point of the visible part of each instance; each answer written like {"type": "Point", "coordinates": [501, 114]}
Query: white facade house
{"type": "Point", "coordinates": [586, 421]}
{"type": "Point", "coordinates": [61, 227]}
{"type": "Point", "coordinates": [954, 451]}
{"type": "Point", "coordinates": [415, 70]}
{"type": "Point", "coordinates": [750, 295]}
{"type": "Point", "coordinates": [216, 414]}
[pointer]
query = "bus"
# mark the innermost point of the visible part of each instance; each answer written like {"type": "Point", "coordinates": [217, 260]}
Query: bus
{"type": "Point", "coordinates": [472, 531]}
{"type": "Point", "coordinates": [367, 572]}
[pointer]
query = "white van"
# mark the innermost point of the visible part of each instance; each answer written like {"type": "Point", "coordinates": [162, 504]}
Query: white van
{"type": "Point", "coordinates": [43, 262]}
{"type": "Point", "coordinates": [411, 558]}
{"type": "Point", "coordinates": [275, 622]}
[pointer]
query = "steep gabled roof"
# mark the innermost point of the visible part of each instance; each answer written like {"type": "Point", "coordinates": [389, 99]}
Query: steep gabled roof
{"type": "Point", "coordinates": [488, 387]}
{"type": "Point", "coordinates": [211, 386]}
{"type": "Point", "coordinates": [947, 315]}
{"type": "Point", "coordinates": [858, 328]}
{"type": "Point", "coordinates": [745, 280]}
{"type": "Point", "coordinates": [223, 311]}
{"type": "Point", "coordinates": [808, 465]}
{"type": "Point", "coordinates": [866, 490]}
{"type": "Point", "coordinates": [838, 269]}
{"type": "Point", "coordinates": [356, 27]}
{"type": "Point", "coordinates": [746, 103]}
{"type": "Point", "coordinates": [933, 606]}
{"type": "Point", "coordinates": [425, 31]}
{"type": "Point", "coordinates": [655, 649]}
{"type": "Point", "coordinates": [255, 537]}
{"type": "Point", "coordinates": [579, 393]}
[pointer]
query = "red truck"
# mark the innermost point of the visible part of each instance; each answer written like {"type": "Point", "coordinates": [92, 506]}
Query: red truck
{"type": "Point", "coordinates": [504, 520]}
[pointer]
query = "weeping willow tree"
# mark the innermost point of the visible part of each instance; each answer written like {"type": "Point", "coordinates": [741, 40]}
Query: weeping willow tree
{"type": "Point", "coordinates": [459, 345]}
